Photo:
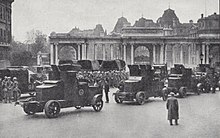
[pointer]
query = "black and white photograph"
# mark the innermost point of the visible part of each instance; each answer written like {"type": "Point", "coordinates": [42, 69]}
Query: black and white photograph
{"type": "Point", "coordinates": [109, 68]}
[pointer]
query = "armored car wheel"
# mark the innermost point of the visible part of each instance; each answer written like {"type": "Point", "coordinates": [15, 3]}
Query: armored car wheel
{"type": "Point", "coordinates": [52, 109]}
{"type": "Point", "coordinates": [117, 99]}
{"type": "Point", "coordinates": [98, 105]}
{"type": "Point", "coordinates": [182, 92]}
{"type": "Point", "coordinates": [28, 110]}
{"type": "Point", "coordinates": [140, 98]}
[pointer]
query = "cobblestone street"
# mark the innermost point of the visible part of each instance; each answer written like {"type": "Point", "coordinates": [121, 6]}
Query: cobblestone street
{"type": "Point", "coordinates": [199, 117]}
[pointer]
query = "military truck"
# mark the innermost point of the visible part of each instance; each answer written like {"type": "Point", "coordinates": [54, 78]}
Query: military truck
{"type": "Point", "coordinates": [140, 86]}
{"type": "Point", "coordinates": [65, 91]}
{"type": "Point", "coordinates": [181, 80]}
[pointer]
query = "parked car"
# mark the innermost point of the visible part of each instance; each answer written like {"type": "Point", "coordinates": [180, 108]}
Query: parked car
{"type": "Point", "coordinates": [140, 86]}
{"type": "Point", "coordinates": [68, 91]}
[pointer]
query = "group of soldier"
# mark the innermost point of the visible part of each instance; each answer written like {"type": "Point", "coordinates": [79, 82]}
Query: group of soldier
{"type": "Point", "coordinates": [9, 89]}
{"type": "Point", "coordinates": [103, 79]}
{"type": "Point", "coordinates": [114, 77]}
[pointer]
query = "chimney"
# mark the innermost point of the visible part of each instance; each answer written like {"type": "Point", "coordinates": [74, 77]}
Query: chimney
{"type": "Point", "coordinates": [201, 15]}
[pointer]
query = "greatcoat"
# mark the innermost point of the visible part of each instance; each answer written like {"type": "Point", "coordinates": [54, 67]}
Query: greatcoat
{"type": "Point", "coordinates": [173, 108]}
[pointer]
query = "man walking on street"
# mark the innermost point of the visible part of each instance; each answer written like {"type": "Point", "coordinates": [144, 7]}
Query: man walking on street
{"type": "Point", "coordinates": [106, 90]}
{"type": "Point", "coordinates": [173, 109]}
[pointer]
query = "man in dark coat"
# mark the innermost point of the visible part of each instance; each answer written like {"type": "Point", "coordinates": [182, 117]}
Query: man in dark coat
{"type": "Point", "coordinates": [173, 109]}
{"type": "Point", "coordinates": [106, 90]}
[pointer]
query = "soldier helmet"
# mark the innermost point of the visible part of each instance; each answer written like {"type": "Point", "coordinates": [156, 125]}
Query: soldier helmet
{"type": "Point", "coordinates": [14, 78]}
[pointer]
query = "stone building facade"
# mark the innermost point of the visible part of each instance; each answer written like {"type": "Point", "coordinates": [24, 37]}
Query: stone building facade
{"type": "Point", "coordinates": [5, 29]}
{"type": "Point", "coordinates": [146, 42]}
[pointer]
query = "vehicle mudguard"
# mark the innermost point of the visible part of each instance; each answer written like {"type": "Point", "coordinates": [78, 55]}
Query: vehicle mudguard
{"type": "Point", "coordinates": [165, 90]}
{"type": "Point", "coordinates": [116, 93]}
{"type": "Point", "coordinates": [96, 97]}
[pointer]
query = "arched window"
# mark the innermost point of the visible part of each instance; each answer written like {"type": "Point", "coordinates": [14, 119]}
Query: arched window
{"type": "Point", "coordinates": [142, 55]}
{"type": "Point", "coordinates": [67, 53]}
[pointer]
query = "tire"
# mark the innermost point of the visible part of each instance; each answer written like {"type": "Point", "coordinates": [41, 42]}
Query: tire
{"type": "Point", "coordinates": [78, 107]}
{"type": "Point", "coordinates": [98, 105]}
{"type": "Point", "coordinates": [140, 98]}
{"type": "Point", "coordinates": [118, 100]}
{"type": "Point", "coordinates": [52, 109]}
{"type": "Point", "coordinates": [28, 110]}
{"type": "Point", "coordinates": [182, 92]}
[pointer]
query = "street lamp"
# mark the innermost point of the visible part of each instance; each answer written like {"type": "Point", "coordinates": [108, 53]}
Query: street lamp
{"type": "Point", "coordinates": [201, 57]}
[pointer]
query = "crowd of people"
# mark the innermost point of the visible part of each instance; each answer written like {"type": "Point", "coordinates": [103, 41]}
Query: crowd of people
{"type": "Point", "coordinates": [9, 89]}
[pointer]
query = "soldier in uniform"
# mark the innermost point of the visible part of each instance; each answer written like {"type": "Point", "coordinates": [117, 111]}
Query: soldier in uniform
{"type": "Point", "coordinates": [173, 109]}
{"type": "Point", "coordinates": [4, 88]}
{"type": "Point", "coordinates": [16, 90]}
{"type": "Point", "coordinates": [9, 86]}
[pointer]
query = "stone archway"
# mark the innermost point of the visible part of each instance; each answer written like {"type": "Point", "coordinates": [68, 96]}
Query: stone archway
{"type": "Point", "coordinates": [67, 53]}
{"type": "Point", "coordinates": [215, 52]}
{"type": "Point", "coordinates": [142, 55]}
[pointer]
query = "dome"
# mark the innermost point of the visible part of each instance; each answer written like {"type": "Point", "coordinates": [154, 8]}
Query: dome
{"type": "Point", "coordinates": [122, 22]}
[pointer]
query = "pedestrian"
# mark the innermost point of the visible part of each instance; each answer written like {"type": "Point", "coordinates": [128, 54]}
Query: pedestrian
{"type": "Point", "coordinates": [173, 109]}
{"type": "Point", "coordinates": [106, 90]}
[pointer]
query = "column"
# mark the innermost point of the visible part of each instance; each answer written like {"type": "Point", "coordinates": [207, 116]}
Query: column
{"type": "Point", "coordinates": [111, 51]}
{"type": "Point", "coordinates": [154, 53]}
{"type": "Point", "coordinates": [203, 52]}
{"type": "Point", "coordinates": [51, 54]}
{"type": "Point", "coordinates": [86, 50]}
{"type": "Point", "coordinates": [94, 51]}
{"type": "Point", "coordinates": [161, 53]}
{"type": "Point", "coordinates": [103, 51]}
{"type": "Point", "coordinates": [181, 54]}
{"type": "Point", "coordinates": [56, 53]}
{"type": "Point", "coordinates": [165, 54]}
{"type": "Point", "coordinates": [79, 53]}
{"type": "Point", "coordinates": [132, 54]}
{"type": "Point", "coordinates": [124, 46]}
{"type": "Point", "coordinates": [83, 52]}
{"type": "Point", "coordinates": [207, 54]}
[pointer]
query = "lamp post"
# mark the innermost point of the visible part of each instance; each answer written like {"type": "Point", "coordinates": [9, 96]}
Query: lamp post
{"type": "Point", "coordinates": [201, 57]}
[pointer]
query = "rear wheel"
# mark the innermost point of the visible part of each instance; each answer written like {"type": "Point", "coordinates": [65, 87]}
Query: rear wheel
{"type": "Point", "coordinates": [117, 99]}
{"type": "Point", "coordinates": [140, 97]}
{"type": "Point", "coordinates": [52, 109]}
{"type": "Point", "coordinates": [98, 105]}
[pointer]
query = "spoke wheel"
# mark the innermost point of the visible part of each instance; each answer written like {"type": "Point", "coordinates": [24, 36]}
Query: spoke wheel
{"type": "Point", "coordinates": [27, 110]}
{"type": "Point", "coordinates": [117, 99]}
{"type": "Point", "coordinates": [52, 109]}
{"type": "Point", "coordinates": [140, 98]}
{"type": "Point", "coordinates": [98, 105]}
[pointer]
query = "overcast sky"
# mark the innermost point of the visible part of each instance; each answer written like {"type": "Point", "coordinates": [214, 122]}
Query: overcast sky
{"type": "Point", "coordinates": [63, 15]}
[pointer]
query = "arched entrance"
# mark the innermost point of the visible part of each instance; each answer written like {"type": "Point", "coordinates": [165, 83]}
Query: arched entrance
{"type": "Point", "coordinates": [215, 52]}
{"type": "Point", "coordinates": [142, 55]}
{"type": "Point", "coordinates": [67, 53]}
